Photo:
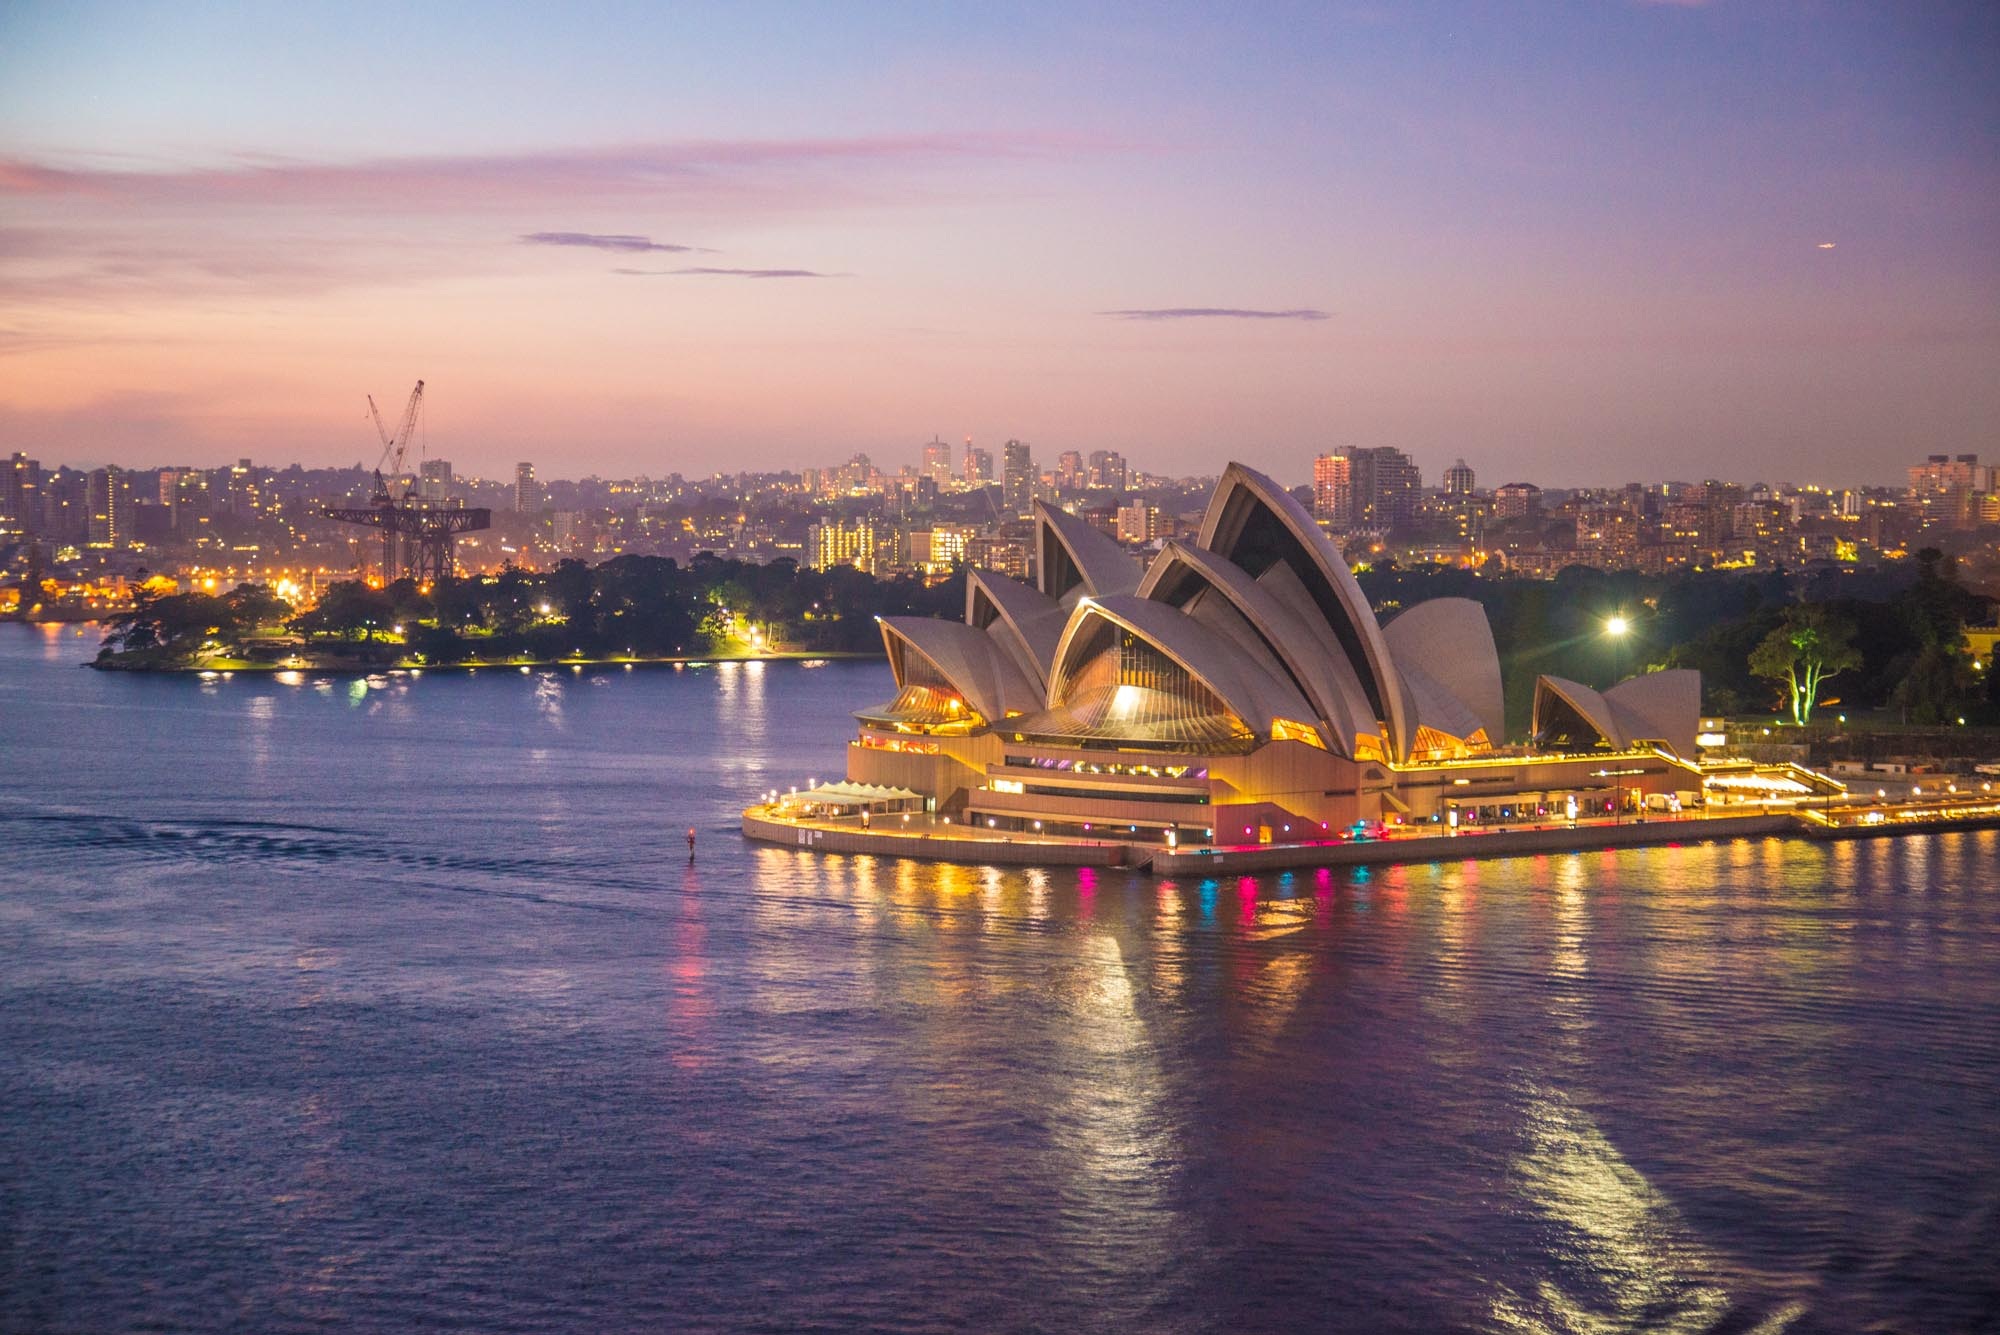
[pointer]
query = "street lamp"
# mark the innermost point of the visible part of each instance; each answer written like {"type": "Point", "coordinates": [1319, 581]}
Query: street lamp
{"type": "Point", "coordinates": [1616, 626]}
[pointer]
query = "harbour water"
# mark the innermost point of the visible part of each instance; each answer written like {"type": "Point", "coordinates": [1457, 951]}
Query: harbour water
{"type": "Point", "coordinates": [332, 1004]}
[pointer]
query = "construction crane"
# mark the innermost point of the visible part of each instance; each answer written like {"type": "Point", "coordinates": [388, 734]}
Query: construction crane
{"type": "Point", "coordinates": [395, 447]}
{"type": "Point", "coordinates": [417, 531]}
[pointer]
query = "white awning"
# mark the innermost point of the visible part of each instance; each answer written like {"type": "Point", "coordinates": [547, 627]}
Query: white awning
{"type": "Point", "coordinates": [846, 794]}
{"type": "Point", "coordinates": [1758, 783]}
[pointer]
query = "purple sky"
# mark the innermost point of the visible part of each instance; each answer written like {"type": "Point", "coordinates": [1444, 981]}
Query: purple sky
{"type": "Point", "coordinates": [1575, 243]}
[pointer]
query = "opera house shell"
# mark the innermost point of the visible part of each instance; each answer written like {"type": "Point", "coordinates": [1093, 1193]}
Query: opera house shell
{"type": "Point", "coordinates": [1239, 688]}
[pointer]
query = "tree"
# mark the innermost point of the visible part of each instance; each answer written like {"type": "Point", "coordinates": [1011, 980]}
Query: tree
{"type": "Point", "coordinates": [182, 623]}
{"type": "Point", "coordinates": [348, 609]}
{"type": "Point", "coordinates": [1808, 646]}
{"type": "Point", "coordinates": [1930, 690]}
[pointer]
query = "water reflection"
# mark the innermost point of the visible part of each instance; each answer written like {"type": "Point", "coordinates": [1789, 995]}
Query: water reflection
{"type": "Point", "coordinates": [260, 710]}
{"type": "Point", "coordinates": [1109, 1123]}
{"type": "Point", "coordinates": [434, 1024]}
{"type": "Point", "coordinates": [1619, 1257]}
{"type": "Point", "coordinates": [549, 698]}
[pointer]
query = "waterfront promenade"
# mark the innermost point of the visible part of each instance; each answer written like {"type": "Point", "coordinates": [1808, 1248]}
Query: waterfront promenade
{"type": "Point", "coordinates": [937, 839]}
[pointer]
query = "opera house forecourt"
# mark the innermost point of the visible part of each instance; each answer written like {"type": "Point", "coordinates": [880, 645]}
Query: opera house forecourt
{"type": "Point", "coordinates": [1237, 702]}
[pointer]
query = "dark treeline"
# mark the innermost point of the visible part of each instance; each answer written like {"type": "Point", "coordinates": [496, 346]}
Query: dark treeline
{"type": "Point", "coordinates": [1908, 627]}
{"type": "Point", "coordinates": [648, 606]}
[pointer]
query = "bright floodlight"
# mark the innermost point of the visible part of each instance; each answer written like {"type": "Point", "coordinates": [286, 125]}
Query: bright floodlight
{"type": "Point", "coordinates": [1617, 625]}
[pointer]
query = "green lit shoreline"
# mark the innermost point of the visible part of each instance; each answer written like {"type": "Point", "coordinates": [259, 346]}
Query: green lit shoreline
{"type": "Point", "coordinates": [330, 666]}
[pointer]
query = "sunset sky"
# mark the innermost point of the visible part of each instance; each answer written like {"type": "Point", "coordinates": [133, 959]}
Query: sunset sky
{"type": "Point", "coordinates": [1574, 243]}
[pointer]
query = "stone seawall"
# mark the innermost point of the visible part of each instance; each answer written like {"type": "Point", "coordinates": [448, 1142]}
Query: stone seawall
{"type": "Point", "coordinates": [1018, 852]}
{"type": "Point", "coordinates": [1503, 844]}
{"type": "Point", "coordinates": [1888, 829]}
{"type": "Point", "coordinates": [938, 847]}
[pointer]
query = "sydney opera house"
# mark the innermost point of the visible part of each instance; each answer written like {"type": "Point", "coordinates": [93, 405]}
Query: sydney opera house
{"type": "Point", "coordinates": [1239, 689]}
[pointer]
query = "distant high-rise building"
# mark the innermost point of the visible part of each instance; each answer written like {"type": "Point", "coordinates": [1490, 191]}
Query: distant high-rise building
{"type": "Point", "coordinates": [1333, 489]}
{"type": "Point", "coordinates": [1069, 471]}
{"type": "Point", "coordinates": [1386, 483]}
{"type": "Point", "coordinates": [1458, 479]}
{"type": "Point", "coordinates": [107, 503]}
{"type": "Point", "coordinates": [66, 505]}
{"type": "Point", "coordinates": [1607, 536]}
{"type": "Point", "coordinates": [942, 547]}
{"type": "Point", "coordinates": [892, 550]}
{"type": "Point", "coordinates": [1138, 522]}
{"type": "Point", "coordinates": [978, 466]}
{"type": "Point", "coordinates": [21, 495]}
{"type": "Point", "coordinates": [1939, 474]}
{"type": "Point", "coordinates": [1017, 477]}
{"type": "Point", "coordinates": [528, 495]}
{"type": "Point", "coordinates": [1003, 556]}
{"type": "Point", "coordinates": [937, 462]}
{"type": "Point", "coordinates": [437, 478]}
{"type": "Point", "coordinates": [186, 500]}
{"type": "Point", "coordinates": [1107, 470]}
{"type": "Point", "coordinates": [1949, 489]}
{"type": "Point", "coordinates": [1517, 500]}
{"type": "Point", "coordinates": [570, 530]}
{"type": "Point", "coordinates": [842, 544]}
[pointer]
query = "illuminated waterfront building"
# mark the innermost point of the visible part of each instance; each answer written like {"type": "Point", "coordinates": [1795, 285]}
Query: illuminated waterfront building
{"type": "Point", "coordinates": [1237, 689]}
{"type": "Point", "coordinates": [842, 544]}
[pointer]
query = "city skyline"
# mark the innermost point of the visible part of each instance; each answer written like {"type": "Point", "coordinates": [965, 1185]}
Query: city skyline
{"type": "Point", "coordinates": [1569, 244]}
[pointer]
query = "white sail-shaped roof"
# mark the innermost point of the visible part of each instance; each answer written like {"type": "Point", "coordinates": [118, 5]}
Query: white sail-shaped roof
{"type": "Point", "coordinates": [1657, 707]}
{"type": "Point", "coordinates": [1073, 559]}
{"type": "Point", "coordinates": [1450, 641]}
{"type": "Point", "coordinates": [982, 672]}
{"type": "Point", "coordinates": [1255, 524]}
{"type": "Point", "coordinates": [1028, 623]}
{"type": "Point", "coordinates": [1438, 711]}
{"type": "Point", "coordinates": [1553, 694]}
{"type": "Point", "coordinates": [1253, 691]}
{"type": "Point", "coordinates": [1301, 643]}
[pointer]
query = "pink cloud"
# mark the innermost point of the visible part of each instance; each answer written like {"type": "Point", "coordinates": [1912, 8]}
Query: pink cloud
{"type": "Point", "coordinates": [104, 233]}
{"type": "Point", "coordinates": [691, 173]}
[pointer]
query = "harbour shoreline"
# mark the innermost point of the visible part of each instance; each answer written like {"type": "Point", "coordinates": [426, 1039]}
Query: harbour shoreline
{"type": "Point", "coordinates": [351, 668]}
{"type": "Point", "coordinates": [958, 844]}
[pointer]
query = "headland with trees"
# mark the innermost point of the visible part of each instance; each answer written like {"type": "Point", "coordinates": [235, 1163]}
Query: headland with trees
{"type": "Point", "coordinates": [1889, 642]}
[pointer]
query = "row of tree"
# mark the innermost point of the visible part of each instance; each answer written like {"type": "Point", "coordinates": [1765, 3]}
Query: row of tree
{"type": "Point", "coordinates": [645, 605]}
{"type": "Point", "coordinates": [1906, 652]}
{"type": "Point", "coordinates": [1867, 642]}
{"type": "Point", "coordinates": [1762, 640]}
